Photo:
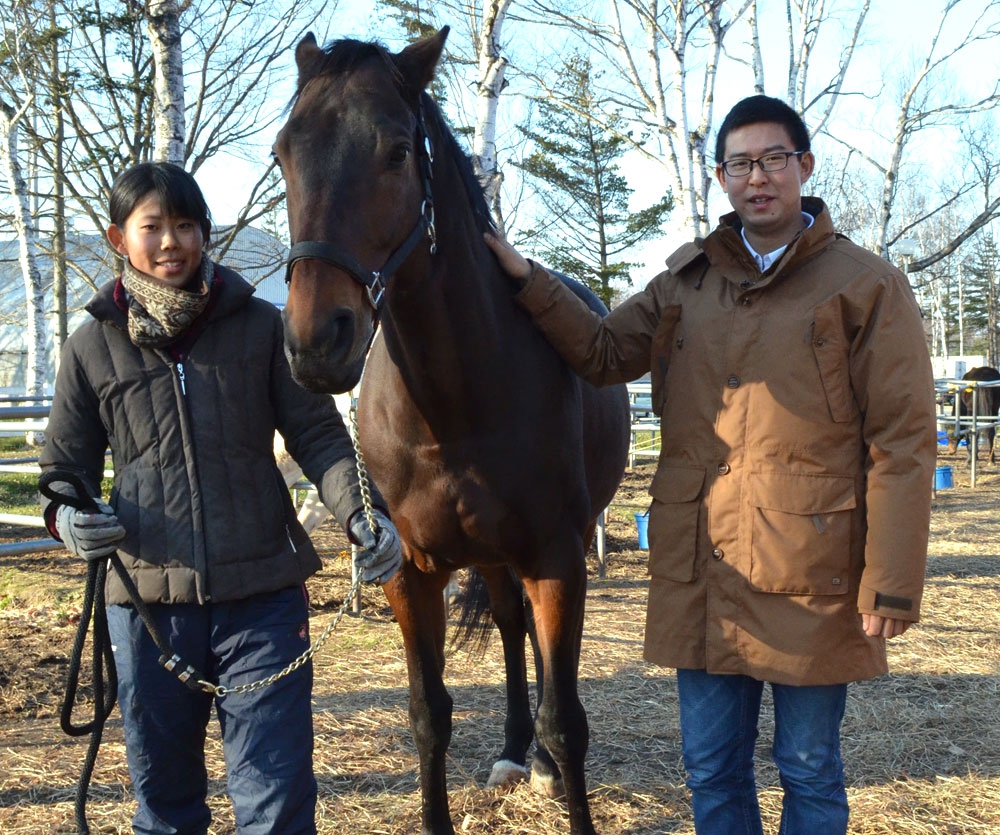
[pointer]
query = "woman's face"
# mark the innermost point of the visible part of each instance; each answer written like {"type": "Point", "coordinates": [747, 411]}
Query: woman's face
{"type": "Point", "coordinates": [166, 248]}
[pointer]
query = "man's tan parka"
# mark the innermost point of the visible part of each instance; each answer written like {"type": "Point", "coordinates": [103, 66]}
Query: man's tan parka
{"type": "Point", "coordinates": [798, 448]}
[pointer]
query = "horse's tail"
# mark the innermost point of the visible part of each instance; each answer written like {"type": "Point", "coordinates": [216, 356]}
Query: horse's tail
{"type": "Point", "coordinates": [475, 622]}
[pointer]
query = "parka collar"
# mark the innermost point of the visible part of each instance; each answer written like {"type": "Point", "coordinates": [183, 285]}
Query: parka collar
{"type": "Point", "coordinates": [725, 244]}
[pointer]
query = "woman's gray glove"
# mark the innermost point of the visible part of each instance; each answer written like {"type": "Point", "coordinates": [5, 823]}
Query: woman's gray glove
{"type": "Point", "coordinates": [377, 560]}
{"type": "Point", "coordinates": [87, 534]}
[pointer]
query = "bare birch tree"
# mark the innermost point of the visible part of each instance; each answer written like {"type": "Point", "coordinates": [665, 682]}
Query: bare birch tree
{"type": "Point", "coordinates": [27, 236]}
{"type": "Point", "coordinates": [929, 99]}
{"type": "Point", "coordinates": [804, 22]}
{"type": "Point", "coordinates": [489, 84]}
{"type": "Point", "coordinates": [163, 20]}
{"type": "Point", "coordinates": [56, 88]}
{"type": "Point", "coordinates": [918, 110]}
{"type": "Point", "coordinates": [233, 57]}
{"type": "Point", "coordinates": [666, 56]}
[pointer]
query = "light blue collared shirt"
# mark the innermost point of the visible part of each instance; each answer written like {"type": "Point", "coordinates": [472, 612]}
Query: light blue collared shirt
{"type": "Point", "coordinates": [765, 261]}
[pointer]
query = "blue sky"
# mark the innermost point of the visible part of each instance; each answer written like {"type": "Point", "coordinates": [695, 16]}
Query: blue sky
{"type": "Point", "coordinates": [891, 39]}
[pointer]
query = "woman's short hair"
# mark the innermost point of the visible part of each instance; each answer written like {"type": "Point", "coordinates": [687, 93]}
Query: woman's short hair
{"type": "Point", "coordinates": [179, 193]}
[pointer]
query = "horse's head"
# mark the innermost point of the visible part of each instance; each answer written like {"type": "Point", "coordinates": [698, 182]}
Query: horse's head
{"type": "Point", "coordinates": [356, 187]}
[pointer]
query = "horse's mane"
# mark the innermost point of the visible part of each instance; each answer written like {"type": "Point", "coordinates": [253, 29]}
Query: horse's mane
{"type": "Point", "coordinates": [473, 188]}
{"type": "Point", "coordinates": [346, 55]}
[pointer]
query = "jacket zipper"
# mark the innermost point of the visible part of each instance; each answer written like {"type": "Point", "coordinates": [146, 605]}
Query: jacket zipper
{"type": "Point", "coordinates": [182, 379]}
{"type": "Point", "coordinates": [180, 376]}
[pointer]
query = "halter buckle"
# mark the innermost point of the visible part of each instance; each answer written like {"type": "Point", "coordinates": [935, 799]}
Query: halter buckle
{"type": "Point", "coordinates": [376, 289]}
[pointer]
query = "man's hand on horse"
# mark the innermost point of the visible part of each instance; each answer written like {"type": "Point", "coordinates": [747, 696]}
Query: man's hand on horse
{"type": "Point", "coordinates": [379, 558]}
{"type": "Point", "coordinates": [511, 261]}
{"type": "Point", "coordinates": [88, 534]}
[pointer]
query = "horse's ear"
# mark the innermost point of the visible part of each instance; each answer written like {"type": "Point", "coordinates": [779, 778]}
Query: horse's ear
{"type": "Point", "coordinates": [419, 60]}
{"type": "Point", "coordinates": [306, 54]}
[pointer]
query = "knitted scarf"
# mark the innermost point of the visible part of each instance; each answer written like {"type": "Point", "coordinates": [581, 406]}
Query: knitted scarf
{"type": "Point", "coordinates": [159, 314]}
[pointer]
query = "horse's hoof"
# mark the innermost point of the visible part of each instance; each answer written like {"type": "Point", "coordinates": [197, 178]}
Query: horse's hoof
{"type": "Point", "coordinates": [546, 784]}
{"type": "Point", "coordinates": [506, 773]}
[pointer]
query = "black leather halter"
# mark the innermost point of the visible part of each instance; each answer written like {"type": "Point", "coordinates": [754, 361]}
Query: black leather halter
{"type": "Point", "coordinates": [375, 281]}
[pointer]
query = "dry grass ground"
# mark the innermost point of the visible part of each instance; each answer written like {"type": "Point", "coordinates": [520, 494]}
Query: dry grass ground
{"type": "Point", "coordinates": [922, 746]}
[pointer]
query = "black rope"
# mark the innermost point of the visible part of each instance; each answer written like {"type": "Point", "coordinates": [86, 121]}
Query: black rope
{"type": "Point", "coordinates": [104, 676]}
{"type": "Point", "coordinates": [104, 679]}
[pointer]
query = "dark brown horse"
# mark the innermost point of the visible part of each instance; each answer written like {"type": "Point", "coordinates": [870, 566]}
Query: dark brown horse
{"type": "Point", "coordinates": [488, 449]}
{"type": "Point", "coordinates": [987, 402]}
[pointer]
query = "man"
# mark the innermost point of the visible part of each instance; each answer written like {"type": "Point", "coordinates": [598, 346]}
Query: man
{"type": "Point", "coordinates": [791, 502]}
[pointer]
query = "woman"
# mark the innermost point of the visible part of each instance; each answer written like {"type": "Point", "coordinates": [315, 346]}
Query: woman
{"type": "Point", "coordinates": [182, 372]}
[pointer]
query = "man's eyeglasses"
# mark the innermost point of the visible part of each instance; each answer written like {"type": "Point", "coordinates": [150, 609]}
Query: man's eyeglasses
{"type": "Point", "coordinates": [769, 162]}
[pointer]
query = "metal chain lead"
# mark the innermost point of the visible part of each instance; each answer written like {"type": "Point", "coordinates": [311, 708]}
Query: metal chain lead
{"type": "Point", "coordinates": [366, 499]}
{"type": "Point", "coordinates": [219, 690]}
{"type": "Point", "coordinates": [363, 481]}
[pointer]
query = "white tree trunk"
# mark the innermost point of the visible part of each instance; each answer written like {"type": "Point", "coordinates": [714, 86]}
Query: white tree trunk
{"type": "Point", "coordinates": [490, 83]}
{"type": "Point", "coordinates": [27, 237]}
{"type": "Point", "coordinates": [163, 21]}
{"type": "Point", "coordinates": [670, 75]}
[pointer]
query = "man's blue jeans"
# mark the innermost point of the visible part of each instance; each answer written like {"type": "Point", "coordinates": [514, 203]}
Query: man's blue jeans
{"type": "Point", "coordinates": [266, 734]}
{"type": "Point", "coordinates": [719, 715]}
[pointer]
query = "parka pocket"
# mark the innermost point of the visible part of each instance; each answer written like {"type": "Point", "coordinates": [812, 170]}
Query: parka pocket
{"type": "Point", "coordinates": [831, 352]}
{"type": "Point", "coordinates": [661, 348]}
{"type": "Point", "coordinates": [673, 522]}
{"type": "Point", "coordinates": [801, 533]}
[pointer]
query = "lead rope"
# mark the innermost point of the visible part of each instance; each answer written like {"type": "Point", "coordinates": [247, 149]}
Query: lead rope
{"type": "Point", "coordinates": [369, 510]}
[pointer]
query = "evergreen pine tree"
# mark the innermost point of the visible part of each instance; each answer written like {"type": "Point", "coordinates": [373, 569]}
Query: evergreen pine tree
{"type": "Point", "coordinates": [587, 226]}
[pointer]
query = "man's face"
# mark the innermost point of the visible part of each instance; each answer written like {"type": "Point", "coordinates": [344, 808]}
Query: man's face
{"type": "Point", "coordinates": [769, 203]}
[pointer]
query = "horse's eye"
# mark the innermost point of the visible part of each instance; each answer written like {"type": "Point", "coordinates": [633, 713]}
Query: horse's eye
{"type": "Point", "coordinates": [275, 160]}
{"type": "Point", "coordinates": [400, 154]}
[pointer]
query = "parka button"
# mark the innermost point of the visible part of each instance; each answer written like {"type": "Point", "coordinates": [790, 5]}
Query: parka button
{"type": "Point", "coordinates": [718, 553]}
{"type": "Point", "coordinates": [733, 382]}
{"type": "Point", "coordinates": [747, 300]}
{"type": "Point", "coordinates": [723, 468]}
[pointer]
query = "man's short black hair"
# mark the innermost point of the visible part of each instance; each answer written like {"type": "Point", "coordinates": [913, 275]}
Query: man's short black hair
{"type": "Point", "coordinates": [757, 109]}
{"type": "Point", "coordinates": [179, 193]}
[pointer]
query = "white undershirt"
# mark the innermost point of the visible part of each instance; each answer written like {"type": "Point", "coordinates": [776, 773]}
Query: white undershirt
{"type": "Point", "coordinates": [765, 261]}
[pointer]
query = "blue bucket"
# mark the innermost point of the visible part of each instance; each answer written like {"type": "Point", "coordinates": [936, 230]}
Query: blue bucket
{"type": "Point", "coordinates": [642, 523]}
{"type": "Point", "coordinates": [942, 478]}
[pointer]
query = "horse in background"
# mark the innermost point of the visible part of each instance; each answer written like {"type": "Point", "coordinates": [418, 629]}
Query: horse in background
{"type": "Point", "coordinates": [987, 406]}
{"type": "Point", "coordinates": [488, 449]}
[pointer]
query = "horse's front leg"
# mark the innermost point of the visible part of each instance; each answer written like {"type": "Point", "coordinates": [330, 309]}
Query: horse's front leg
{"type": "Point", "coordinates": [508, 610]}
{"type": "Point", "coordinates": [558, 595]}
{"type": "Point", "coordinates": [418, 604]}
